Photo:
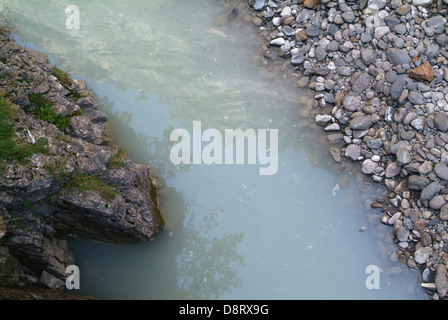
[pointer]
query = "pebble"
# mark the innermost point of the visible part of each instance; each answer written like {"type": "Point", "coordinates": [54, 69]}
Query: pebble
{"type": "Point", "coordinates": [422, 254]}
{"type": "Point", "coordinates": [353, 151]}
{"type": "Point", "coordinates": [361, 123]}
{"type": "Point", "coordinates": [369, 166]}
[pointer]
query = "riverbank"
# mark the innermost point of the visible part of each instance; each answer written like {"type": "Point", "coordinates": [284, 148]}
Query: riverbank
{"type": "Point", "coordinates": [60, 176]}
{"type": "Point", "coordinates": [379, 73]}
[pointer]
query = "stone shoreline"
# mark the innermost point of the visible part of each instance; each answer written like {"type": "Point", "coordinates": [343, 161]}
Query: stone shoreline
{"type": "Point", "coordinates": [378, 71]}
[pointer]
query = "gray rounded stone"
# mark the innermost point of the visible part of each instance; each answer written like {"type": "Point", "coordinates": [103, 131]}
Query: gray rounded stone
{"type": "Point", "coordinates": [437, 23]}
{"type": "Point", "coordinates": [369, 166]}
{"type": "Point", "coordinates": [443, 214]}
{"type": "Point", "coordinates": [402, 234]}
{"type": "Point", "coordinates": [398, 56]}
{"type": "Point", "coordinates": [353, 151]}
{"type": "Point", "coordinates": [437, 202]}
{"type": "Point", "coordinates": [416, 182]}
{"type": "Point", "coordinates": [422, 254]}
{"type": "Point", "coordinates": [361, 123]}
{"type": "Point", "coordinates": [441, 171]}
{"type": "Point", "coordinates": [403, 156]}
{"type": "Point", "coordinates": [430, 191]}
{"type": "Point", "coordinates": [441, 121]}
{"type": "Point", "coordinates": [351, 103]}
{"type": "Point", "coordinates": [392, 170]}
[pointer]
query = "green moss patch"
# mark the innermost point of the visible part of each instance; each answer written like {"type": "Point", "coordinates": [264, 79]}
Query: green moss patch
{"type": "Point", "coordinates": [43, 110]}
{"type": "Point", "coordinates": [10, 146]}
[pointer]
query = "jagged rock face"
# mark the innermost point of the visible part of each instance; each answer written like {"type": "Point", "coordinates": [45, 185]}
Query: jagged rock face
{"type": "Point", "coordinates": [69, 187]}
{"type": "Point", "coordinates": [130, 216]}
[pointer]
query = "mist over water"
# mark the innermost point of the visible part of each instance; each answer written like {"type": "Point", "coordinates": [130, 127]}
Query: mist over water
{"type": "Point", "coordinates": [231, 233]}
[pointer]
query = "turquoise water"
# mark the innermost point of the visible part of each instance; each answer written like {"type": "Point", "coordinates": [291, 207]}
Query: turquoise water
{"type": "Point", "coordinates": [305, 232]}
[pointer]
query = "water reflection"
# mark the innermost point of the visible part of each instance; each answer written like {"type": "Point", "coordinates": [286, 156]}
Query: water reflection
{"type": "Point", "coordinates": [160, 65]}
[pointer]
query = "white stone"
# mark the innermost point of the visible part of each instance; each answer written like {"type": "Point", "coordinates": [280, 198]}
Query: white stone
{"type": "Point", "coordinates": [369, 166]}
{"type": "Point", "coordinates": [333, 127]}
{"type": "Point", "coordinates": [278, 42]}
{"type": "Point", "coordinates": [422, 254]}
{"type": "Point", "coordinates": [277, 21]}
{"type": "Point", "coordinates": [421, 2]}
{"type": "Point", "coordinates": [286, 12]}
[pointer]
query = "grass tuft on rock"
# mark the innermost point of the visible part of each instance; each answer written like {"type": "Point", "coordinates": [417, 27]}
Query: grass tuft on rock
{"type": "Point", "coordinates": [116, 161]}
{"type": "Point", "coordinates": [84, 182]}
{"type": "Point", "coordinates": [62, 76]}
{"type": "Point", "coordinates": [10, 146]}
{"type": "Point", "coordinates": [43, 110]}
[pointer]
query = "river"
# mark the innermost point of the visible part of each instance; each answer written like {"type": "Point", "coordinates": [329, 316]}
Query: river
{"type": "Point", "coordinates": [302, 230]}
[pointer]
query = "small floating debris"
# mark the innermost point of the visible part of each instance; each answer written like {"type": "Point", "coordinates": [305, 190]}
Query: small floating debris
{"type": "Point", "coordinates": [217, 33]}
{"type": "Point", "coordinates": [335, 188]}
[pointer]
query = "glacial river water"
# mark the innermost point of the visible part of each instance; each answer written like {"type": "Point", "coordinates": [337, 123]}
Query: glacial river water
{"type": "Point", "coordinates": [303, 232]}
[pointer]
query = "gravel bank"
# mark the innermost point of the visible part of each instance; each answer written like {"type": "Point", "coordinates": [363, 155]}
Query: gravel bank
{"type": "Point", "coordinates": [378, 71]}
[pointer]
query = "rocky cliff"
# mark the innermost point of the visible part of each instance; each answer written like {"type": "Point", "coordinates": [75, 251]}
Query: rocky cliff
{"type": "Point", "coordinates": [60, 175]}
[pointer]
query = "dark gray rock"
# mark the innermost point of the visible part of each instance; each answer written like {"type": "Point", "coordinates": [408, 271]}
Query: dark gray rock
{"type": "Point", "coordinates": [397, 88]}
{"type": "Point", "coordinates": [375, 144]}
{"type": "Point", "coordinates": [416, 182]}
{"type": "Point", "coordinates": [288, 31]}
{"type": "Point", "coordinates": [320, 71]}
{"type": "Point", "coordinates": [441, 171]}
{"type": "Point", "coordinates": [368, 56]}
{"type": "Point", "coordinates": [297, 59]}
{"type": "Point", "coordinates": [402, 234]}
{"type": "Point", "coordinates": [398, 145]}
{"type": "Point", "coordinates": [437, 202]}
{"type": "Point", "coordinates": [392, 170]}
{"type": "Point", "coordinates": [312, 31]}
{"type": "Point", "coordinates": [361, 83]}
{"type": "Point", "coordinates": [443, 214]}
{"type": "Point", "coordinates": [391, 77]}
{"type": "Point", "coordinates": [391, 21]}
{"type": "Point", "coordinates": [430, 191]}
{"type": "Point", "coordinates": [51, 281]}
{"type": "Point", "coordinates": [442, 40]}
{"type": "Point", "coordinates": [400, 29]}
{"type": "Point", "coordinates": [348, 16]}
{"type": "Point", "coordinates": [432, 50]}
{"type": "Point", "coordinates": [437, 23]}
{"type": "Point", "coordinates": [397, 56]}
{"type": "Point", "coordinates": [441, 121]}
{"type": "Point", "coordinates": [361, 123]}
{"type": "Point", "coordinates": [403, 156]}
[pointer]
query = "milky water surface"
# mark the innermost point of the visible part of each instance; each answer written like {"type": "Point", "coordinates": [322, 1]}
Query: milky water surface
{"type": "Point", "coordinates": [231, 233]}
